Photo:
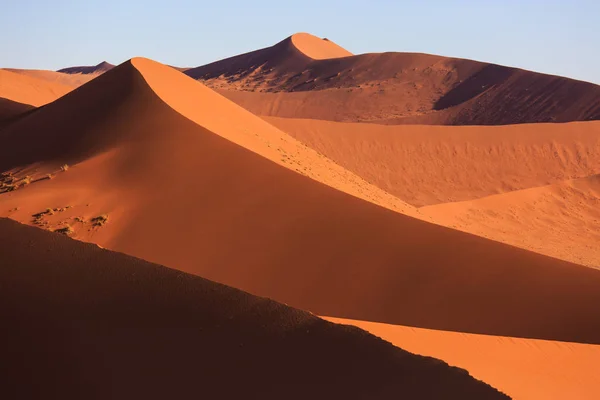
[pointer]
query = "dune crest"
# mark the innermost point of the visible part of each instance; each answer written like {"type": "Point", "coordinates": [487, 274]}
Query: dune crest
{"type": "Point", "coordinates": [317, 48]}
{"type": "Point", "coordinates": [228, 120]}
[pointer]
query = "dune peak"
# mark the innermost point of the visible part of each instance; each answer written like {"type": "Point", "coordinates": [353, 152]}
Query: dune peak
{"type": "Point", "coordinates": [317, 48]}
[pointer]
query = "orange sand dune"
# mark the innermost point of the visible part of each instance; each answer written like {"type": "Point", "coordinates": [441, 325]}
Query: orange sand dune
{"type": "Point", "coordinates": [393, 88]}
{"type": "Point", "coordinates": [429, 165]}
{"type": "Point", "coordinates": [316, 48]}
{"type": "Point", "coordinates": [26, 89]}
{"type": "Point", "coordinates": [525, 369]}
{"type": "Point", "coordinates": [71, 80]}
{"type": "Point", "coordinates": [153, 176]}
{"type": "Point", "coordinates": [560, 220]}
{"type": "Point", "coordinates": [426, 165]}
{"type": "Point", "coordinates": [82, 322]}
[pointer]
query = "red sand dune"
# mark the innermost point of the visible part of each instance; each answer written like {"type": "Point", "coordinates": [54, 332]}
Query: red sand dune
{"type": "Point", "coordinates": [508, 183]}
{"type": "Point", "coordinates": [180, 194]}
{"type": "Point", "coordinates": [94, 69]}
{"type": "Point", "coordinates": [525, 369]}
{"type": "Point", "coordinates": [394, 88]}
{"type": "Point", "coordinates": [560, 220]}
{"type": "Point", "coordinates": [82, 322]}
{"type": "Point", "coordinates": [26, 89]}
{"type": "Point", "coordinates": [71, 80]}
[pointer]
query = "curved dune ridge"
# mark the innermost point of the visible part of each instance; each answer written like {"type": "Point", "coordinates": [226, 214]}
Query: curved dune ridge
{"type": "Point", "coordinates": [317, 48]}
{"type": "Point", "coordinates": [148, 181]}
{"type": "Point", "coordinates": [30, 90]}
{"type": "Point", "coordinates": [524, 369]}
{"type": "Point", "coordinates": [394, 88]}
{"type": "Point", "coordinates": [513, 184]}
{"type": "Point", "coordinates": [158, 333]}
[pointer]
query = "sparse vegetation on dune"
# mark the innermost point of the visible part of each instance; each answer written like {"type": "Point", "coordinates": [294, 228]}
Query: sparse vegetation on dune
{"type": "Point", "coordinates": [99, 220]}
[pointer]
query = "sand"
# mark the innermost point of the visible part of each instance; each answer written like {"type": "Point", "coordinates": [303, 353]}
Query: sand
{"type": "Point", "coordinates": [93, 69]}
{"type": "Point", "coordinates": [71, 80]}
{"type": "Point", "coordinates": [88, 323]}
{"type": "Point", "coordinates": [30, 90]}
{"type": "Point", "coordinates": [316, 48]}
{"type": "Point", "coordinates": [177, 193]}
{"type": "Point", "coordinates": [513, 184]}
{"type": "Point", "coordinates": [560, 220]}
{"type": "Point", "coordinates": [525, 369]}
{"type": "Point", "coordinates": [11, 110]}
{"type": "Point", "coordinates": [310, 80]}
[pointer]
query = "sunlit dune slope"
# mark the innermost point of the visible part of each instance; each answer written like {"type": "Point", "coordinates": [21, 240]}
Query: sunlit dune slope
{"type": "Point", "coordinates": [83, 322]}
{"type": "Point", "coordinates": [199, 195]}
{"type": "Point", "coordinates": [425, 165]}
{"type": "Point", "coordinates": [29, 90]}
{"type": "Point", "coordinates": [525, 369]}
{"type": "Point", "coordinates": [508, 168]}
{"type": "Point", "coordinates": [561, 220]}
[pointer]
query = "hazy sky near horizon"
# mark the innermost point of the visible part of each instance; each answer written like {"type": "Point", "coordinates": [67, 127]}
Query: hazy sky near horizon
{"type": "Point", "coordinates": [552, 36]}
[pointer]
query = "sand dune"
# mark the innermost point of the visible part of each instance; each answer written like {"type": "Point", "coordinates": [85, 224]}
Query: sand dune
{"type": "Point", "coordinates": [26, 89]}
{"type": "Point", "coordinates": [525, 369]}
{"type": "Point", "coordinates": [9, 110]}
{"type": "Point", "coordinates": [394, 88]}
{"type": "Point", "coordinates": [93, 69]}
{"type": "Point", "coordinates": [71, 80]}
{"type": "Point", "coordinates": [83, 322]}
{"type": "Point", "coordinates": [148, 176]}
{"type": "Point", "coordinates": [560, 220]}
{"type": "Point", "coordinates": [425, 165]}
{"type": "Point", "coordinates": [316, 48]}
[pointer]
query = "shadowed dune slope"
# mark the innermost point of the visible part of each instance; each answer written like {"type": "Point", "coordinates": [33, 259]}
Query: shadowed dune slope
{"type": "Point", "coordinates": [10, 110]}
{"type": "Point", "coordinates": [178, 194]}
{"type": "Point", "coordinates": [30, 90]}
{"type": "Point", "coordinates": [525, 369]}
{"type": "Point", "coordinates": [89, 323]}
{"type": "Point", "coordinates": [395, 88]}
{"type": "Point", "coordinates": [94, 69]}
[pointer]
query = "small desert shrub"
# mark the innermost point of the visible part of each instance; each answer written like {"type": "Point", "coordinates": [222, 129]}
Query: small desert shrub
{"type": "Point", "coordinates": [100, 220]}
{"type": "Point", "coordinates": [66, 230]}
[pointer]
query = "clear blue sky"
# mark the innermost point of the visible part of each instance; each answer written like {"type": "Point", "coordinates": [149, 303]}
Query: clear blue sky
{"type": "Point", "coordinates": [554, 36]}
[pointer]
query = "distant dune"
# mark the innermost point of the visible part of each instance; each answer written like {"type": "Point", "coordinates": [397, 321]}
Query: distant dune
{"type": "Point", "coordinates": [83, 322]}
{"type": "Point", "coordinates": [71, 80]}
{"type": "Point", "coordinates": [30, 90]}
{"type": "Point", "coordinates": [94, 69]}
{"type": "Point", "coordinates": [194, 182]}
{"type": "Point", "coordinates": [311, 81]}
{"type": "Point", "coordinates": [525, 369]}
